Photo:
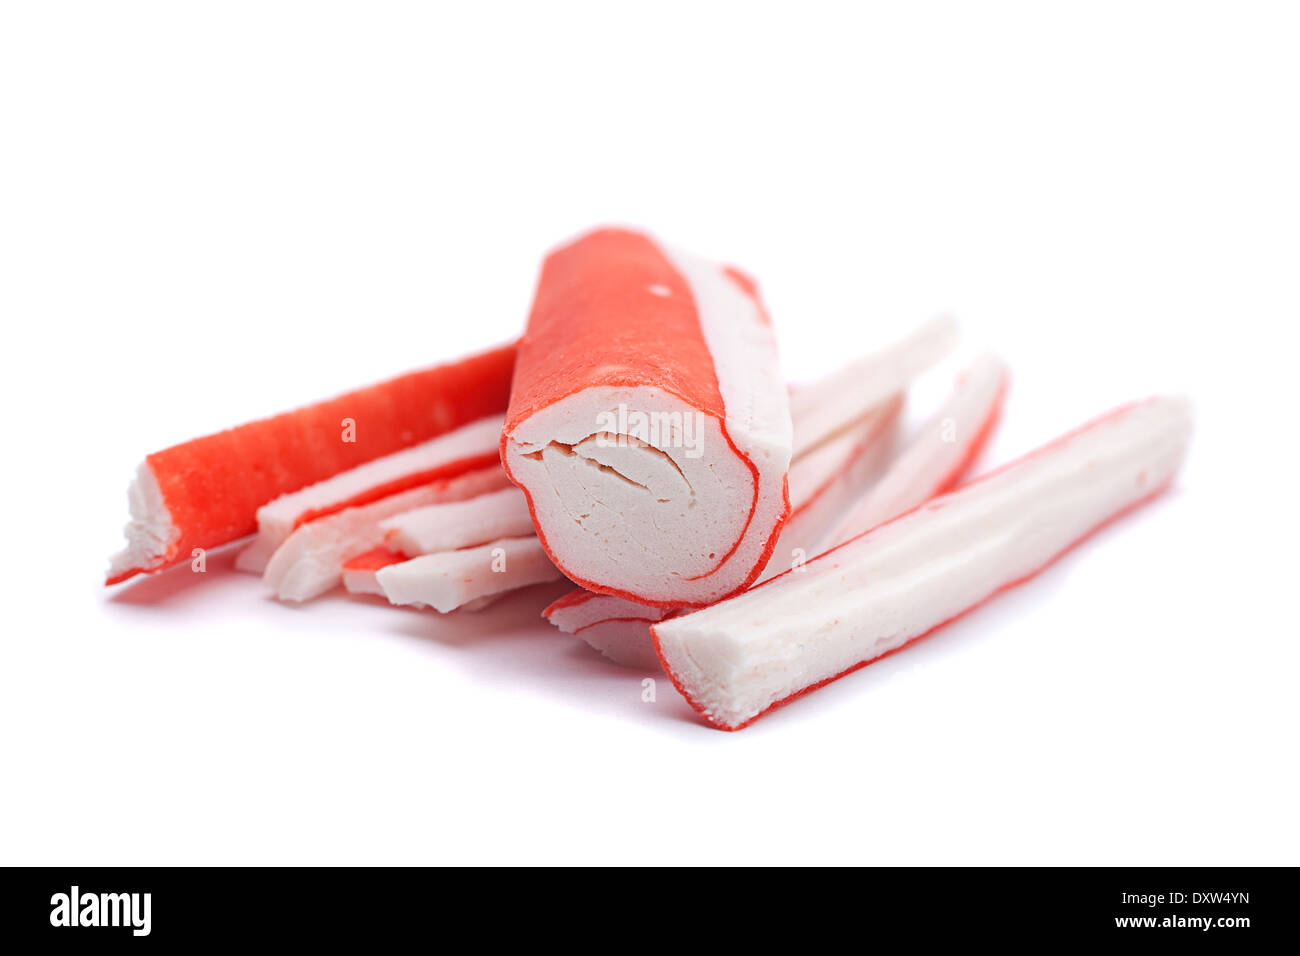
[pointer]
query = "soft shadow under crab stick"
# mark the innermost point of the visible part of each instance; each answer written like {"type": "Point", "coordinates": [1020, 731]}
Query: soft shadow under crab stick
{"type": "Point", "coordinates": [205, 493]}
{"type": "Point", "coordinates": [311, 560]}
{"type": "Point", "coordinates": [452, 579]}
{"type": "Point", "coordinates": [740, 658]}
{"type": "Point", "coordinates": [469, 448]}
{"type": "Point", "coordinates": [649, 424]}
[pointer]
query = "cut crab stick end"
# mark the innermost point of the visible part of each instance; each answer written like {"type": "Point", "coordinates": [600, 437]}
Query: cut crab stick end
{"type": "Point", "coordinates": [469, 448]}
{"type": "Point", "coordinates": [448, 580]}
{"type": "Point", "coordinates": [851, 605]}
{"type": "Point", "coordinates": [359, 572]}
{"type": "Point", "coordinates": [937, 457]}
{"type": "Point", "coordinates": [459, 524]}
{"type": "Point", "coordinates": [205, 493]}
{"type": "Point", "coordinates": [311, 560]}
{"type": "Point", "coordinates": [649, 425]}
{"type": "Point", "coordinates": [821, 483]}
{"type": "Point", "coordinates": [831, 404]}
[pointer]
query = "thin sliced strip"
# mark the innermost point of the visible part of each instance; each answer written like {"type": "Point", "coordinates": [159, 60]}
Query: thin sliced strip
{"type": "Point", "coordinates": [937, 457]}
{"type": "Point", "coordinates": [206, 492]}
{"type": "Point", "coordinates": [649, 425]}
{"type": "Point", "coordinates": [624, 641]}
{"type": "Point", "coordinates": [826, 480]}
{"type": "Point", "coordinates": [839, 400]}
{"type": "Point", "coordinates": [469, 448]}
{"type": "Point", "coordinates": [310, 561]}
{"type": "Point", "coordinates": [459, 524]}
{"type": "Point", "coordinates": [359, 572]}
{"type": "Point", "coordinates": [451, 579]}
{"type": "Point", "coordinates": [740, 658]}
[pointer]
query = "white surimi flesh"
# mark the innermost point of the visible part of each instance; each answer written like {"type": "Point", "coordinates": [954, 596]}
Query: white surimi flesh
{"type": "Point", "coordinates": [450, 579]}
{"type": "Point", "coordinates": [458, 524]}
{"type": "Point", "coordinates": [310, 561]}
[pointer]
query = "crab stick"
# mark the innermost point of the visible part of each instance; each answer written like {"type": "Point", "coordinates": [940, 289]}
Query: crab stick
{"type": "Point", "coordinates": [458, 524]}
{"type": "Point", "coordinates": [359, 572]}
{"type": "Point", "coordinates": [310, 561]}
{"type": "Point", "coordinates": [824, 481]}
{"type": "Point", "coordinates": [851, 605]}
{"type": "Point", "coordinates": [451, 579]}
{"type": "Point", "coordinates": [934, 460]}
{"type": "Point", "coordinates": [206, 492]}
{"type": "Point", "coordinates": [468, 448]}
{"type": "Point", "coordinates": [649, 424]}
{"type": "Point", "coordinates": [831, 404]}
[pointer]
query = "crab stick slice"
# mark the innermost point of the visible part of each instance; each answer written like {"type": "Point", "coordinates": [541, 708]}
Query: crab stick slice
{"type": "Point", "coordinates": [359, 572]}
{"type": "Point", "coordinates": [935, 460]}
{"type": "Point", "coordinates": [451, 579]}
{"type": "Point", "coordinates": [458, 524]}
{"type": "Point", "coordinates": [742, 657]}
{"type": "Point", "coordinates": [205, 493]}
{"type": "Point", "coordinates": [310, 561]}
{"type": "Point", "coordinates": [649, 424]}
{"type": "Point", "coordinates": [468, 448]}
{"type": "Point", "coordinates": [833, 403]}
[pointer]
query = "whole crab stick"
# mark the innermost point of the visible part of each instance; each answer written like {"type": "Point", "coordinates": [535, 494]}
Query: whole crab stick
{"type": "Point", "coordinates": [820, 482]}
{"type": "Point", "coordinates": [826, 407]}
{"type": "Point", "coordinates": [851, 605]}
{"type": "Point", "coordinates": [310, 561]}
{"type": "Point", "coordinates": [468, 448]}
{"type": "Point", "coordinates": [458, 524]}
{"type": "Point", "coordinates": [206, 492]}
{"type": "Point", "coordinates": [649, 424]}
{"type": "Point", "coordinates": [450, 579]}
{"type": "Point", "coordinates": [935, 459]}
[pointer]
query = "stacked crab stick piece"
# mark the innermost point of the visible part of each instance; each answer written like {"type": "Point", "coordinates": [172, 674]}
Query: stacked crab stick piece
{"type": "Point", "coordinates": [649, 425]}
{"type": "Point", "coordinates": [885, 588]}
{"type": "Point", "coordinates": [753, 541]}
{"type": "Point", "coordinates": [862, 490]}
{"type": "Point", "coordinates": [207, 492]}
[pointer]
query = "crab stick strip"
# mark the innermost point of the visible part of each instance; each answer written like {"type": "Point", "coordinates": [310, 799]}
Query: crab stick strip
{"type": "Point", "coordinates": [936, 459]}
{"type": "Point", "coordinates": [649, 424]}
{"type": "Point", "coordinates": [359, 572]}
{"type": "Point", "coordinates": [205, 493]}
{"type": "Point", "coordinates": [851, 605]}
{"type": "Point", "coordinates": [831, 404]}
{"type": "Point", "coordinates": [451, 579]}
{"type": "Point", "coordinates": [310, 561]}
{"type": "Point", "coordinates": [458, 524]}
{"type": "Point", "coordinates": [828, 479]}
{"type": "Point", "coordinates": [468, 448]}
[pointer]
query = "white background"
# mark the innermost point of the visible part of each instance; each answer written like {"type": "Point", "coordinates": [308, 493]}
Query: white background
{"type": "Point", "coordinates": [213, 212]}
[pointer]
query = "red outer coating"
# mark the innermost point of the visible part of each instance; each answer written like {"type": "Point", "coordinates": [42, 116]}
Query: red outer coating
{"type": "Point", "coordinates": [593, 326]}
{"type": "Point", "coordinates": [699, 708]}
{"type": "Point", "coordinates": [373, 560]}
{"type": "Point", "coordinates": [213, 486]}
